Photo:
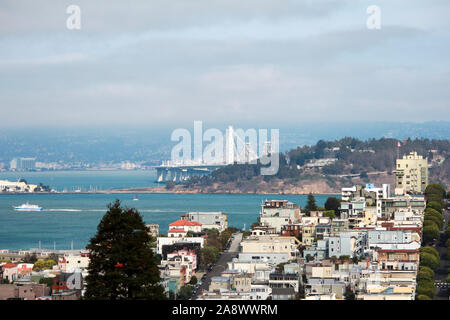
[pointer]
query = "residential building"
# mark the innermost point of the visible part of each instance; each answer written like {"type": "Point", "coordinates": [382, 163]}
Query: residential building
{"type": "Point", "coordinates": [23, 292]}
{"type": "Point", "coordinates": [412, 173]}
{"type": "Point", "coordinates": [9, 271]}
{"type": "Point", "coordinates": [271, 244]}
{"type": "Point", "coordinates": [276, 213]}
{"type": "Point", "coordinates": [283, 294]}
{"type": "Point", "coordinates": [183, 242]}
{"type": "Point", "coordinates": [325, 286]}
{"type": "Point", "coordinates": [72, 263]}
{"type": "Point", "coordinates": [208, 220]}
{"type": "Point", "coordinates": [284, 280]}
{"type": "Point", "coordinates": [184, 226]}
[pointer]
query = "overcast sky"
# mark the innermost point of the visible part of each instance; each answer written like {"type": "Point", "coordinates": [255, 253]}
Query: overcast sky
{"type": "Point", "coordinates": [223, 61]}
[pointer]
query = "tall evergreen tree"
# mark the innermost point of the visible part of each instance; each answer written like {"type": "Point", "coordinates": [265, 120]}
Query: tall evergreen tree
{"type": "Point", "coordinates": [311, 204]}
{"type": "Point", "coordinates": [122, 264]}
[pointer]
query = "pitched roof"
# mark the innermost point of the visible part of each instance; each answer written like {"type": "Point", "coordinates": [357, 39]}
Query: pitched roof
{"type": "Point", "coordinates": [177, 230]}
{"type": "Point", "coordinates": [9, 265]}
{"type": "Point", "coordinates": [184, 223]}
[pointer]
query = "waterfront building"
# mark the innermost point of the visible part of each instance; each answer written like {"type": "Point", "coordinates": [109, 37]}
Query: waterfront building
{"type": "Point", "coordinates": [19, 186]}
{"type": "Point", "coordinates": [412, 173]}
{"type": "Point", "coordinates": [22, 164]}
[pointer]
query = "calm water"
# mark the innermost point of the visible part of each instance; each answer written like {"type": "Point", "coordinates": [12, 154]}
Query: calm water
{"type": "Point", "coordinates": [86, 180]}
{"type": "Point", "coordinates": [68, 217]}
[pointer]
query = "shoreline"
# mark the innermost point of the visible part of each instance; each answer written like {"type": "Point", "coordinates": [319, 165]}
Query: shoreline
{"type": "Point", "coordinates": [158, 191]}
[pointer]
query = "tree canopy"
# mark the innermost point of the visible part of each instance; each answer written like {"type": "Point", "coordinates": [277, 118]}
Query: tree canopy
{"type": "Point", "coordinates": [311, 204]}
{"type": "Point", "coordinates": [333, 203]}
{"type": "Point", "coordinates": [122, 264]}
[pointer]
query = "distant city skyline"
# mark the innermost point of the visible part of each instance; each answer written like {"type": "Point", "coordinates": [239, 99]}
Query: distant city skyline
{"type": "Point", "coordinates": [224, 61]}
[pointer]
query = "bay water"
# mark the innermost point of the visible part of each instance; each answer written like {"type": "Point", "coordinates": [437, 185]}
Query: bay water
{"type": "Point", "coordinates": [75, 216]}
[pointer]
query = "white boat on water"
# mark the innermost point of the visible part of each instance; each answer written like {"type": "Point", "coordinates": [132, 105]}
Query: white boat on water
{"type": "Point", "coordinates": [135, 198]}
{"type": "Point", "coordinates": [28, 207]}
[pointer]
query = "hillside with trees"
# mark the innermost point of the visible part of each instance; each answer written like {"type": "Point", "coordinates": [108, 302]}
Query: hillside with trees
{"type": "Point", "coordinates": [327, 166]}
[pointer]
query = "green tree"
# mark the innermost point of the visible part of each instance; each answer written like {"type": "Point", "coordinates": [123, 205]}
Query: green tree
{"type": "Point", "coordinates": [423, 297]}
{"type": "Point", "coordinates": [425, 288]}
{"type": "Point", "coordinates": [224, 237]}
{"type": "Point", "coordinates": [430, 250]}
{"type": "Point", "coordinates": [329, 213]}
{"type": "Point", "coordinates": [427, 270]}
{"type": "Point", "coordinates": [122, 264]}
{"type": "Point", "coordinates": [437, 221]}
{"type": "Point", "coordinates": [429, 260]}
{"type": "Point", "coordinates": [311, 204]}
{"type": "Point", "coordinates": [49, 263]}
{"type": "Point", "coordinates": [435, 188]}
{"type": "Point", "coordinates": [185, 292]}
{"type": "Point", "coordinates": [333, 203]}
{"type": "Point", "coordinates": [193, 280]}
{"type": "Point", "coordinates": [48, 281]}
{"type": "Point", "coordinates": [349, 295]}
{"type": "Point", "coordinates": [430, 233]}
{"type": "Point", "coordinates": [434, 205]}
{"type": "Point", "coordinates": [430, 222]}
{"type": "Point", "coordinates": [245, 234]}
{"type": "Point", "coordinates": [39, 265]}
{"type": "Point", "coordinates": [29, 258]}
{"type": "Point", "coordinates": [209, 254]}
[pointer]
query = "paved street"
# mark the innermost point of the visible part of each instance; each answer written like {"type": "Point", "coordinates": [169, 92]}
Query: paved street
{"type": "Point", "coordinates": [221, 264]}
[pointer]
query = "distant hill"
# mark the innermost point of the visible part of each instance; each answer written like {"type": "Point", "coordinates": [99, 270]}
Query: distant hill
{"type": "Point", "coordinates": [152, 143]}
{"type": "Point", "coordinates": [327, 166]}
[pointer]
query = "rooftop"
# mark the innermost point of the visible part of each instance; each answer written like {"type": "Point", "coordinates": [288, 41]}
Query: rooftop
{"type": "Point", "coordinates": [180, 223]}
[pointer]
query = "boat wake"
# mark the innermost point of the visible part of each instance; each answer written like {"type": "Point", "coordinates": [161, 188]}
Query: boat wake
{"type": "Point", "coordinates": [63, 210]}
